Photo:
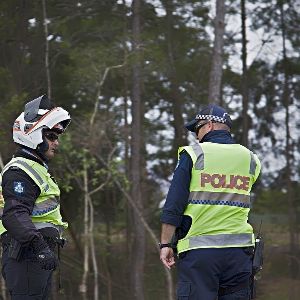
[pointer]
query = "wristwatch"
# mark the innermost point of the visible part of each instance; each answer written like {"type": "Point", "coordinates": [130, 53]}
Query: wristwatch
{"type": "Point", "coordinates": [167, 245]}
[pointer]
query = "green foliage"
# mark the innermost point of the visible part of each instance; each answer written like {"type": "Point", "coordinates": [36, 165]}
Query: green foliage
{"type": "Point", "coordinates": [87, 37]}
{"type": "Point", "coordinates": [272, 201]}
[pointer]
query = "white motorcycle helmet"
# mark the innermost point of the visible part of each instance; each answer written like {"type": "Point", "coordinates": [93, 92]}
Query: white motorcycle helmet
{"type": "Point", "coordinates": [38, 116]}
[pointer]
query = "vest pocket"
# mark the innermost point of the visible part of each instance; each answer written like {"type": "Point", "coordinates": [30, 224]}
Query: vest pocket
{"type": "Point", "coordinates": [184, 290]}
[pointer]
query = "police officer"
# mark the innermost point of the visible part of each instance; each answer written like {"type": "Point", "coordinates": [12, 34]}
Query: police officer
{"type": "Point", "coordinates": [207, 208]}
{"type": "Point", "coordinates": [31, 222]}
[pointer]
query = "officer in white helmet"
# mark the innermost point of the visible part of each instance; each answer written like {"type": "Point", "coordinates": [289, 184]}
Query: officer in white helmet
{"type": "Point", "coordinates": [31, 223]}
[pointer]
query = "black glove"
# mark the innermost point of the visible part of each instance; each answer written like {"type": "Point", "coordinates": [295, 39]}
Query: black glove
{"type": "Point", "coordinates": [44, 256]}
{"type": "Point", "coordinates": [47, 260]}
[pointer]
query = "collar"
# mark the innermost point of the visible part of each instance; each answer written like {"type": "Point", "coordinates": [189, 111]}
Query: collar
{"type": "Point", "coordinates": [218, 137]}
{"type": "Point", "coordinates": [30, 154]}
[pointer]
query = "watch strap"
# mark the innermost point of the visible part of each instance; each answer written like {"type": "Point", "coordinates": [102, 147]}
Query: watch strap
{"type": "Point", "coordinates": [164, 245]}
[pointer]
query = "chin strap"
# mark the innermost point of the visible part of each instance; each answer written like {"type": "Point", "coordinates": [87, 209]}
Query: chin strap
{"type": "Point", "coordinates": [41, 149]}
{"type": "Point", "coordinates": [44, 146]}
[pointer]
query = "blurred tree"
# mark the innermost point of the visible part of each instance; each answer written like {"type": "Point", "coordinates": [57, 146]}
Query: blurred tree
{"type": "Point", "coordinates": [215, 78]}
{"type": "Point", "coordinates": [279, 91]}
{"type": "Point", "coordinates": [139, 243]}
{"type": "Point", "coordinates": [174, 96]}
{"type": "Point", "coordinates": [99, 74]}
{"type": "Point", "coordinates": [245, 92]}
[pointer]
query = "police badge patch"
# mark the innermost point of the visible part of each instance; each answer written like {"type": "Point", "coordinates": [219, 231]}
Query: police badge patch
{"type": "Point", "coordinates": [19, 187]}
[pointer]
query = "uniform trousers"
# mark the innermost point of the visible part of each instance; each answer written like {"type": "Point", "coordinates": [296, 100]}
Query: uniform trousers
{"type": "Point", "coordinates": [25, 279]}
{"type": "Point", "coordinates": [202, 273]}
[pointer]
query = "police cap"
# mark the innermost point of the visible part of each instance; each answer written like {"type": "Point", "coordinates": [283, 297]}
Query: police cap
{"type": "Point", "coordinates": [211, 112]}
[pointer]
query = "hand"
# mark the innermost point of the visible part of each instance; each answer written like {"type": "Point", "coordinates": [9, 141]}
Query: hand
{"type": "Point", "coordinates": [167, 257]}
{"type": "Point", "coordinates": [47, 259]}
{"type": "Point", "coordinates": [43, 255]}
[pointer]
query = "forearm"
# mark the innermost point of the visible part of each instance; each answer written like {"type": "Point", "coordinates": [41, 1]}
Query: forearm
{"type": "Point", "coordinates": [166, 253]}
{"type": "Point", "coordinates": [19, 225]}
{"type": "Point", "coordinates": [167, 232]}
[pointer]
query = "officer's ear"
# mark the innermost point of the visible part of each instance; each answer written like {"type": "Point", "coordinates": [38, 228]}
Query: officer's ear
{"type": "Point", "coordinates": [211, 125]}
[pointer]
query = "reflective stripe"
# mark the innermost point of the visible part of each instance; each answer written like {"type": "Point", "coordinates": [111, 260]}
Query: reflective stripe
{"type": "Point", "coordinates": [41, 208]}
{"type": "Point", "coordinates": [6, 167]}
{"type": "Point", "coordinates": [40, 225]}
{"type": "Point", "coordinates": [199, 164]}
{"type": "Point", "coordinates": [219, 199]}
{"type": "Point", "coordinates": [220, 202]}
{"type": "Point", "coordinates": [45, 206]}
{"type": "Point", "coordinates": [29, 169]}
{"type": "Point", "coordinates": [221, 240]}
{"type": "Point", "coordinates": [252, 164]}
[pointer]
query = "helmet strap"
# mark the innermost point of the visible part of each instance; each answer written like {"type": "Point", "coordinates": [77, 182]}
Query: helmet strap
{"type": "Point", "coordinates": [42, 148]}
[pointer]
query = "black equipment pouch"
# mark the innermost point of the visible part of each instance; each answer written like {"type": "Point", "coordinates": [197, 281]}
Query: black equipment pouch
{"type": "Point", "coordinates": [174, 242]}
{"type": "Point", "coordinates": [61, 242]}
{"type": "Point", "coordinates": [257, 263]}
{"type": "Point", "coordinates": [181, 232]}
{"type": "Point", "coordinates": [14, 249]}
{"type": "Point", "coordinates": [258, 258]}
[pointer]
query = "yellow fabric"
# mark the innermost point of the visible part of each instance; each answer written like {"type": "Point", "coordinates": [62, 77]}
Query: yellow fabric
{"type": "Point", "coordinates": [49, 190]}
{"type": "Point", "coordinates": [222, 178]}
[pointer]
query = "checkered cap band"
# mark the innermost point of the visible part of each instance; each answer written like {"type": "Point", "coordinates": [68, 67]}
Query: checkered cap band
{"type": "Point", "coordinates": [211, 118]}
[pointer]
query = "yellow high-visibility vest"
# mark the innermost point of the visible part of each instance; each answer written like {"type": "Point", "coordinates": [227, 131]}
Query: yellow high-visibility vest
{"type": "Point", "coordinates": [46, 210]}
{"type": "Point", "coordinates": [219, 200]}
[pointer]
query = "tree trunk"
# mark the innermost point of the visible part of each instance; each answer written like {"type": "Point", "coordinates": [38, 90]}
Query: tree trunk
{"type": "Point", "coordinates": [126, 131]}
{"type": "Point", "coordinates": [215, 79]}
{"type": "Point", "coordinates": [288, 154]}
{"type": "Point", "coordinates": [55, 279]}
{"type": "Point", "coordinates": [2, 282]}
{"type": "Point", "coordinates": [138, 246]}
{"type": "Point", "coordinates": [93, 249]}
{"type": "Point", "coordinates": [47, 67]}
{"type": "Point", "coordinates": [1, 162]}
{"type": "Point", "coordinates": [245, 92]}
{"type": "Point", "coordinates": [83, 286]}
{"type": "Point", "coordinates": [175, 97]}
{"type": "Point", "coordinates": [106, 259]}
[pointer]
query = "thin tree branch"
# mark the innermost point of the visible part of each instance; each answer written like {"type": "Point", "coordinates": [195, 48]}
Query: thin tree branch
{"type": "Point", "coordinates": [92, 120]}
{"type": "Point", "coordinates": [67, 164]}
{"type": "Point", "coordinates": [101, 186]}
{"type": "Point", "coordinates": [1, 162]}
{"type": "Point", "coordinates": [145, 224]}
{"type": "Point", "coordinates": [108, 176]}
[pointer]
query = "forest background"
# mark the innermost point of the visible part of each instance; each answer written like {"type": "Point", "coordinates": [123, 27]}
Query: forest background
{"type": "Point", "coordinates": [131, 73]}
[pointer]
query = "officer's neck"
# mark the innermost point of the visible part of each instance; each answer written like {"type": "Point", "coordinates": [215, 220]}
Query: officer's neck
{"type": "Point", "coordinates": [219, 137]}
{"type": "Point", "coordinates": [33, 155]}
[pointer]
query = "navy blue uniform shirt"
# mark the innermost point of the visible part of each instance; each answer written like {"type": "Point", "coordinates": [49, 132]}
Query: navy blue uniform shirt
{"type": "Point", "coordinates": [178, 194]}
{"type": "Point", "coordinates": [20, 193]}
